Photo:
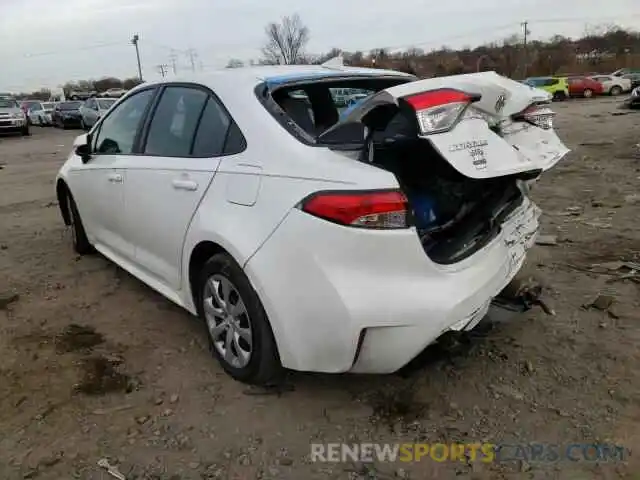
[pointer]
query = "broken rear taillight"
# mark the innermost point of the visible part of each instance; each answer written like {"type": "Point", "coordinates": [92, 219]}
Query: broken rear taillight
{"type": "Point", "coordinates": [439, 110]}
{"type": "Point", "coordinates": [379, 209]}
{"type": "Point", "coordinates": [538, 115]}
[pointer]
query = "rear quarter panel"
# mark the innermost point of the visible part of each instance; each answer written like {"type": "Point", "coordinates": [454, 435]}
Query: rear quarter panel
{"type": "Point", "coordinates": [288, 172]}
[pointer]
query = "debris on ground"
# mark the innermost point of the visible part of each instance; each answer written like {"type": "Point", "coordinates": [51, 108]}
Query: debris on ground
{"type": "Point", "coordinates": [7, 299]}
{"type": "Point", "coordinates": [111, 469]}
{"type": "Point", "coordinates": [602, 302]}
{"type": "Point", "coordinates": [76, 337]}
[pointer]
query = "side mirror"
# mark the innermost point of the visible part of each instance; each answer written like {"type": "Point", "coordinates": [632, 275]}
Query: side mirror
{"type": "Point", "coordinates": [82, 147]}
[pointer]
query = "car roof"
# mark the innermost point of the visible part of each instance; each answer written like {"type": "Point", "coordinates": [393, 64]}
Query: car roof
{"type": "Point", "coordinates": [252, 76]}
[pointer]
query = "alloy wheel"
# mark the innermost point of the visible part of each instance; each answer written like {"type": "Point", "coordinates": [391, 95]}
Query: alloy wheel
{"type": "Point", "coordinates": [228, 321]}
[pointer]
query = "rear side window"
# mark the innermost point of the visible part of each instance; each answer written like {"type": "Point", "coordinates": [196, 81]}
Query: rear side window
{"type": "Point", "coordinates": [174, 122]}
{"type": "Point", "coordinates": [212, 131]}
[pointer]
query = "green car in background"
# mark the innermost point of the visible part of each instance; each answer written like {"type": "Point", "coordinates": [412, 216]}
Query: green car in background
{"type": "Point", "coordinates": [556, 86]}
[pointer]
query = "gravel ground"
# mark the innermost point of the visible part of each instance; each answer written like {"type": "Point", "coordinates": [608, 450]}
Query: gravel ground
{"type": "Point", "coordinates": [96, 365]}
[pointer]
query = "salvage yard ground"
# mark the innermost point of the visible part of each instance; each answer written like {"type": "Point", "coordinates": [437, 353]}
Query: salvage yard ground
{"type": "Point", "coordinates": [96, 365]}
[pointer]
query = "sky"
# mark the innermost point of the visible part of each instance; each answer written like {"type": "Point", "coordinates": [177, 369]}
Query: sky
{"type": "Point", "coordinates": [44, 43]}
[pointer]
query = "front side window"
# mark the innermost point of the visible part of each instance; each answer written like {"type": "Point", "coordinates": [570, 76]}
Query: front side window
{"type": "Point", "coordinates": [118, 130]}
{"type": "Point", "coordinates": [174, 123]}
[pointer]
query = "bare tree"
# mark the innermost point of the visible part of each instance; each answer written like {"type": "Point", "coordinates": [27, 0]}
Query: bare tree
{"type": "Point", "coordinates": [285, 41]}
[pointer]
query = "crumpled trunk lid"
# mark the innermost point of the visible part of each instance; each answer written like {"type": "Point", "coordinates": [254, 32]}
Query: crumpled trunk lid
{"type": "Point", "coordinates": [487, 141]}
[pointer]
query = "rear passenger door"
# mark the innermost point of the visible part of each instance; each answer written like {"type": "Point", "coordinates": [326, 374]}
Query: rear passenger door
{"type": "Point", "coordinates": [180, 151]}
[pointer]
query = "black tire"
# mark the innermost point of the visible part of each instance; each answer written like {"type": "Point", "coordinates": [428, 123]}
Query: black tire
{"type": "Point", "coordinates": [615, 91]}
{"type": "Point", "coordinates": [263, 367]}
{"type": "Point", "coordinates": [559, 96]}
{"type": "Point", "coordinates": [81, 243]}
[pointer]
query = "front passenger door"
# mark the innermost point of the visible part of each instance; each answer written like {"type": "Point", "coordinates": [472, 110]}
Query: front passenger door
{"type": "Point", "coordinates": [98, 185]}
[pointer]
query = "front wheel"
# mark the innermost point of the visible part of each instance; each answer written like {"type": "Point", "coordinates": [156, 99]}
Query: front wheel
{"type": "Point", "coordinates": [79, 238]}
{"type": "Point", "coordinates": [240, 335]}
{"type": "Point", "coordinates": [588, 93]}
{"type": "Point", "coordinates": [615, 91]}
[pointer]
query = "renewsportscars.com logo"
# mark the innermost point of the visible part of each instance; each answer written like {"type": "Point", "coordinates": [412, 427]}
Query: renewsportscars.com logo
{"type": "Point", "coordinates": [464, 452]}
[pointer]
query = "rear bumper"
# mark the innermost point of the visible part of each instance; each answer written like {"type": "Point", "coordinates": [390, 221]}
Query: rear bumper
{"type": "Point", "coordinates": [342, 299]}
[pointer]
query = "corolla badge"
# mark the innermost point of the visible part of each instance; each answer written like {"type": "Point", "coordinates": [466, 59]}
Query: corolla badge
{"type": "Point", "coordinates": [502, 100]}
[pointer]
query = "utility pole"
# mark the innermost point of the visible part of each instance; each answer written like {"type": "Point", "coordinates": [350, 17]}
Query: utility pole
{"type": "Point", "coordinates": [192, 58]}
{"type": "Point", "coordinates": [173, 57]}
{"type": "Point", "coordinates": [163, 70]}
{"type": "Point", "coordinates": [526, 32]}
{"type": "Point", "coordinates": [134, 42]}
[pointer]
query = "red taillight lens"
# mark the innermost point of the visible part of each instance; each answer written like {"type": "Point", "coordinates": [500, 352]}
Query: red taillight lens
{"type": "Point", "coordinates": [369, 209]}
{"type": "Point", "coordinates": [439, 110]}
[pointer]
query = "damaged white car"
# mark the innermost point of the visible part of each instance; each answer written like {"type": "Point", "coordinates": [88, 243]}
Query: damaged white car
{"type": "Point", "coordinates": [306, 239]}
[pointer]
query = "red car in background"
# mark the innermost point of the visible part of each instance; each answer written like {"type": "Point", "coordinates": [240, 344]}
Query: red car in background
{"type": "Point", "coordinates": [584, 87]}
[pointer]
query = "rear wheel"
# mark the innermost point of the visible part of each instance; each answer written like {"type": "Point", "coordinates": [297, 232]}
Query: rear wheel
{"type": "Point", "coordinates": [240, 335]}
{"type": "Point", "coordinates": [588, 93]}
{"type": "Point", "coordinates": [615, 91]}
{"type": "Point", "coordinates": [559, 96]}
{"type": "Point", "coordinates": [78, 235]}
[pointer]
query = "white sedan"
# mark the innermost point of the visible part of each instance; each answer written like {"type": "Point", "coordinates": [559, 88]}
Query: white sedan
{"type": "Point", "coordinates": [309, 241]}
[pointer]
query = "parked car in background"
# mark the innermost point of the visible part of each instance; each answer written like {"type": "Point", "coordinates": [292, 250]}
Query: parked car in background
{"type": "Point", "coordinates": [79, 95]}
{"type": "Point", "coordinates": [634, 99]}
{"type": "Point", "coordinates": [47, 111]}
{"type": "Point", "coordinates": [92, 109]}
{"type": "Point", "coordinates": [584, 87]}
{"type": "Point", "coordinates": [67, 115]}
{"type": "Point", "coordinates": [113, 93]}
{"type": "Point", "coordinates": [34, 110]}
{"type": "Point", "coordinates": [28, 106]}
{"type": "Point", "coordinates": [558, 87]}
{"type": "Point", "coordinates": [288, 231]}
{"type": "Point", "coordinates": [625, 71]}
{"type": "Point", "coordinates": [12, 117]}
{"type": "Point", "coordinates": [613, 85]}
{"type": "Point", "coordinates": [634, 78]}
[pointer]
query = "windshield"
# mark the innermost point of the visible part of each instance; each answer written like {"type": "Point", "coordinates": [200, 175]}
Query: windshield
{"type": "Point", "coordinates": [32, 106]}
{"type": "Point", "coordinates": [70, 105]}
{"type": "Point", "coordinates": [6, 103]}
{"type": "Point", "coordinates": [105, 104]}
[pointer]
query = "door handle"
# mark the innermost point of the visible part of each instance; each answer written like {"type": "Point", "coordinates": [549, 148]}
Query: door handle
{"type": "Point", "coordinates": [189, 185]}
{"type": "Point", "coordinates": [114, 178]}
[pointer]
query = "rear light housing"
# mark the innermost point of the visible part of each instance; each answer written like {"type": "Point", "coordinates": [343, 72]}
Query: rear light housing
{"type": "Point", "coordinates": [439, 110]}
{"type": "Point", "coordinates": [539, 115]}
{"type": "Point", "coordinates": [374, 209]}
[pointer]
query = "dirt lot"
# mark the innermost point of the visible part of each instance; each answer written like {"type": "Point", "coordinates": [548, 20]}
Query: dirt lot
{"type": "Point", "coordinates": [95, 364]}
